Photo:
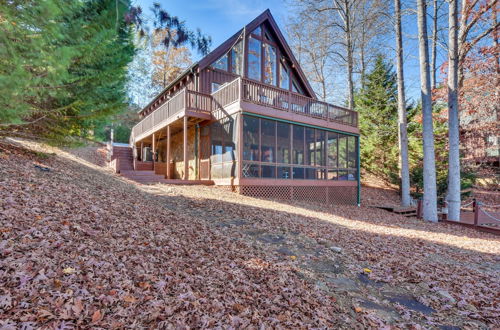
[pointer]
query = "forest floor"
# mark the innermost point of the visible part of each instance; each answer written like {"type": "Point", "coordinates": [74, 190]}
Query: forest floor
{"type": "Point", "coordinates": [83, 247]}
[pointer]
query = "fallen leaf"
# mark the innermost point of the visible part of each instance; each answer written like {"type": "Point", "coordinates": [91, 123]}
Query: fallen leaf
{"type": "Point", "coordinates": [97, 316]}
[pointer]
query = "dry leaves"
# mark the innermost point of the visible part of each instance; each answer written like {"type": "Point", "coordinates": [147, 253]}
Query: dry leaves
{"type": "Point", "coordinates": [80, 248]}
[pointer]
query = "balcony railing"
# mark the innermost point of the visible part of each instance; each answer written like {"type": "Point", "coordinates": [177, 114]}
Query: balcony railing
{"type": "Point", "coordinates": [289, 101]}
{"type": "Point", "coordinates": [244, 90]}
{"type": "Point", "coordinates": [184, 100]}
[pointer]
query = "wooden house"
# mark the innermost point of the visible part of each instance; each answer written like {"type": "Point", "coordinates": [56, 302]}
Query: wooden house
{"type": "Point", "coordinates": [245, 117]}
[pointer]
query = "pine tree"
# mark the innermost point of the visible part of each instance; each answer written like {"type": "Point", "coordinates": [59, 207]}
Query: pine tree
{"type": "Point", "coordinates": [378, 110]}
{"type": "Point", "coordinates": [63, 65]}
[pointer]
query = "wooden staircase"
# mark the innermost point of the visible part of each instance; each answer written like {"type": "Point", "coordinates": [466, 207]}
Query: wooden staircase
{"type": "Point", "coordinates": [125, 158]}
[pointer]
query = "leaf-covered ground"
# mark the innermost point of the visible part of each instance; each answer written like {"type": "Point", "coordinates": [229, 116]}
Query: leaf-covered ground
{"type": "Point", "coordinates": [81, 247]}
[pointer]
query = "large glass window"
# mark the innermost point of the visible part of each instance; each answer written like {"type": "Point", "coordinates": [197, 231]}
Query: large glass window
{"type": "Point", "coordinates": [270, 68]}
{"type": "Point", "coordinates": [221, 63]}
{"type": "Point", "coordinates": [251, 138]}
{"type": "Point", "coordinates": [237, 59]}
{"type": "Point", "coordinates": [268, 140]}
{"type": "Point", "coordinates": [254, 58]}
{"type": "Point", "coordinates": [298, 145]}
{"type": "Point", "coordinates": [283, 143]}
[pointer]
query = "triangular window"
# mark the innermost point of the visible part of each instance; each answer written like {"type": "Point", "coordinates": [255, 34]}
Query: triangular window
{"type": "Point", "coordinates": [257, 31]}
{"type": "Point", "coordinates": [222, 63]}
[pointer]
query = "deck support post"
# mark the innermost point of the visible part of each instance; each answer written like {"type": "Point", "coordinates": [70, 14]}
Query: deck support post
{"type": "Point", "coordinates": [185, 138]}
{"type": "Point", "coordinates": [141, 153]}
{"type": "Point", "coordinates": [153, 151]}
{"type": "Point", "coordinates": [168, 153]}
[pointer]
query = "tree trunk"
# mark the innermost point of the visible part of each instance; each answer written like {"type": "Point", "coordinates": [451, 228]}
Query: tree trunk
{"type": "Point", "coordinates": [350, 57]}
{"type": "Point", "coordinates": [453, 120]}
{"type": "Point", "coordinates": [434, 44]}
{"type": "Point", "coordinates": [403, 134]}
{"type": "Point", "coordinates": [462, 35]}
{"type": "Point", "coordinates": [430, 194]}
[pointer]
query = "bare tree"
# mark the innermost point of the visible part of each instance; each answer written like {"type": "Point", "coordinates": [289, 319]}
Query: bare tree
{"type": "Point", "coordinates": [430, 193]}
{"type": "Point", "coordinates": [353, 25]}
{"type": "Point", "coordinates": [314, 48]}
{"type": "Point", "coordinates": [402, 124]}
{"type": "Point", "coordinates": [474, 27]}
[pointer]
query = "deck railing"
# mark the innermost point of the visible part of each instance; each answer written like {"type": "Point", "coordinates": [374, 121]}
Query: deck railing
{"type": "Point", "coordinates": [245, 90]}
{"type": "Point", "coordinates": [183, 100]}
{"type": "Point", "coordinates": [227, 94]}
{"type": "Point", "coordinates": [280, 99]}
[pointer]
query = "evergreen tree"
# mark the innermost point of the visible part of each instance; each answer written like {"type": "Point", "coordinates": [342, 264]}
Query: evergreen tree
{"type": "Point", "coordinates": [62, 64]}
{"type": "Point", "coordinates": [378, 112]}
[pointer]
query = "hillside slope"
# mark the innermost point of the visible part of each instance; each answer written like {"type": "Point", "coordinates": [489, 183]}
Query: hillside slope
{"type": "Point", "coordinates": [82, 247]}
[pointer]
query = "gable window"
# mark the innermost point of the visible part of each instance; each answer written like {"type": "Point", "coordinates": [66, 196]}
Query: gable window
{"type": "Point", "coordinates": [221, 63]}
{"type": "Point", "coordinates": [237, 59]}
{"type": "Point", "coordinates": [284, 77]}
{"type": "Point", "coordinates": [296, 87]}
{"type": "Point", "coordinates": [270, 64]}
{"type": "Point", "coordinates": [215, 87]}
{"type": "Point", "coordinates": [254, 58]}
{"type": "Point", "coordinates": [257, 31]}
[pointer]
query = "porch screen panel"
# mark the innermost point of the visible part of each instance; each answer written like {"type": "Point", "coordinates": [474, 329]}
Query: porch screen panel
{"type": "Point", "coordinates": [251, 138]}
{"type": "Point", "coordinates": [268, 140]}
{"type": "Point", "coordinates": [216, 142]}
{"type": "Point", "coordinates": [310, 146]}
{"type": "Point", "coordinates": [352, 158]}
{"type": "Point", "coordinates": [229, 141]}
{"type": "Point", "coordinates": [254, 58]}
{"type": "Point", "coordinates": [283, 142]}
{"type": "Point", "coordinates": [342, 173]}
{"type": "Point", "coordinates": [298, 145]}
{"type": "Point", "coordinates": [320, 152]}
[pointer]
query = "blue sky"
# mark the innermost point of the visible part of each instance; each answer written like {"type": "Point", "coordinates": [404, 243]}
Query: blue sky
{"type": "Point", "coordinates": [222, 18]}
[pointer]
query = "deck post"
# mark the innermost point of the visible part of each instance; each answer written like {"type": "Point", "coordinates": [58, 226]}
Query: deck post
{"type": "Point", "coordinates": [419, 209]}
{"type": "Point", "coordinates": [168, 153]}
{"type": "Point", "coordinates": [141, 153]}
{"type": "Point", "coordinates": [153, 151]}
{"type": "Point", "coordinates": [185, 138]}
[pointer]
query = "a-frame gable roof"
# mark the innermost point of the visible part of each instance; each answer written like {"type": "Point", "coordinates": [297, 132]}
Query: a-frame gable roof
{"type": "Point", "coordinates": [264, 17]}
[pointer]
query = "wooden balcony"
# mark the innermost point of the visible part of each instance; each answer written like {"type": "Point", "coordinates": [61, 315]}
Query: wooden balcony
{"type": "Point", "coordinates": [274, 101]}
{"type": "Point", "coordinates": [185, 103]}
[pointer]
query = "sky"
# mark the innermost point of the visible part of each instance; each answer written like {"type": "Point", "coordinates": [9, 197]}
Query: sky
{"type": "Point", "coordinates": [220, 19]}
